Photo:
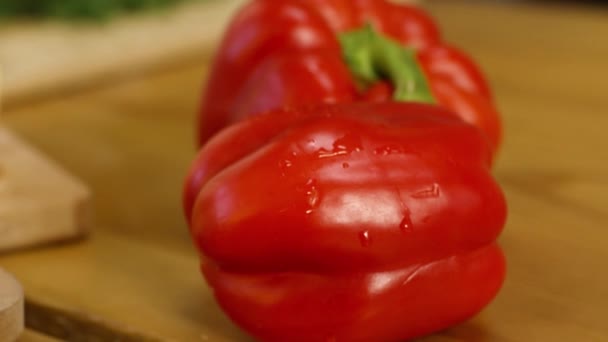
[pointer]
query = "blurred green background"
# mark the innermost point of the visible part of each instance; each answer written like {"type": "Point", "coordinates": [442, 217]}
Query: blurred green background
{"type": "Point", "coordinates": [77, 9]}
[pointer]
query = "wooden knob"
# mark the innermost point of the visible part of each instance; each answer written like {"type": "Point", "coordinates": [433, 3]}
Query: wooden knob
{"type": "Point", "coordinates": [11, 308]}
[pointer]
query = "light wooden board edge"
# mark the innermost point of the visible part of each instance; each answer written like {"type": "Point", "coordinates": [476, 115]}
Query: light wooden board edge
{"type": "Point", "coordinates": [36, 209]}
{"type": "Point", "coordinates": [76, 56]}
{"type": "Point", "coordinates": [40, 202]}
{"type": "Point", "coordinates": [11, 308]}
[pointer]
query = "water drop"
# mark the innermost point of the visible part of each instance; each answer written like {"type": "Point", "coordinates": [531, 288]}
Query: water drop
{"type": "Point", "coordinates": [309, 211]}
{"type": "Point", "coordinates": [338, 145]}
{"type": "Point", "coordinates": [365, 238]}
{"type": "Point", "coordinates": [406, 224]}
{"type": "Point", "coordinates": [381, 151]}
{"type": "Point", "coordinates": [285, 164]}
{"type": "Point", "coordinates": [313, 197]}
{"type": "Point", "coordinates": [323, 153]}
{"type": "Point", "coordinates": [310, 183]}
{"type": "Point", "coordinates": [345, 145]}
{"type": "Point", "coordinates": [388, 149]}
{"type": "Point", "coordinates": [431, 192]}
{"type": "Point", "coordinates": [349, 142]}
{"type": "Point", "coordinates": [311, 192]}
{"type": "Point", "coordinates": [345, 165]}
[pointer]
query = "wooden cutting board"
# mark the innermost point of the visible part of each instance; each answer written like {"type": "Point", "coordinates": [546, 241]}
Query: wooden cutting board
{"type": "Point", "coordinates": [552, 168]}
{"type": "Point", "coordinates": [11, 308]}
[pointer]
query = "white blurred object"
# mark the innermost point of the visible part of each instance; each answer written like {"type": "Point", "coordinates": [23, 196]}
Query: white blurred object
{"type": "Point", "coordinates": [43, 57]}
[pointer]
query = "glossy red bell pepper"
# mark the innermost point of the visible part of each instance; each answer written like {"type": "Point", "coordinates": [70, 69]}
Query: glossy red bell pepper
{"type": "Point", "coordinates": [282, 53]}
{"type": "Point", "coordinates": [348, 222]}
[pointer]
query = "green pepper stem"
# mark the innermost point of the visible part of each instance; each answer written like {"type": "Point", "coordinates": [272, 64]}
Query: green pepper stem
{"type": "Point", "coordinates": [372, 57]}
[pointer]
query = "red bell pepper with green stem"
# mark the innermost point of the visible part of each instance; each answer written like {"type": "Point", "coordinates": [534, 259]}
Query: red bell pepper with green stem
{"type": "Point", "coordinates": [285, 53]}
{"type": "Point", "coordinates": [348, 222]}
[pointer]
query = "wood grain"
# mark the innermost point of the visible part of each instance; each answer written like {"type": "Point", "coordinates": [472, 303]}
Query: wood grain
{"type": "Point", "coordinates": [11, 308]}
{"type": "Point", "coordinates": [132, 142]}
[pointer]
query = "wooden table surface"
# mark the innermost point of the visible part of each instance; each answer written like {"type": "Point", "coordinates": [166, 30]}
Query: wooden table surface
{"type": "Point", "coordinates": [136, 277]}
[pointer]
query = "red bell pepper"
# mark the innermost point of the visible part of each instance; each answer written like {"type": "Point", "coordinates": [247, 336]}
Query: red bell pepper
{"type": "Point", "coordinates": [348, 222]}
{"type": "Point", "coordinates": [282, 53]}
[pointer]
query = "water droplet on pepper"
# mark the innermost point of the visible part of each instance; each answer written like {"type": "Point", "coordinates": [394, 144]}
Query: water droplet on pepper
{"type": "Point", "coordinates": [432, 192]}
{"type": "Point", "coordinates": [406, 224]}
{"type": "Point", "coordinates": [365, 239]}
